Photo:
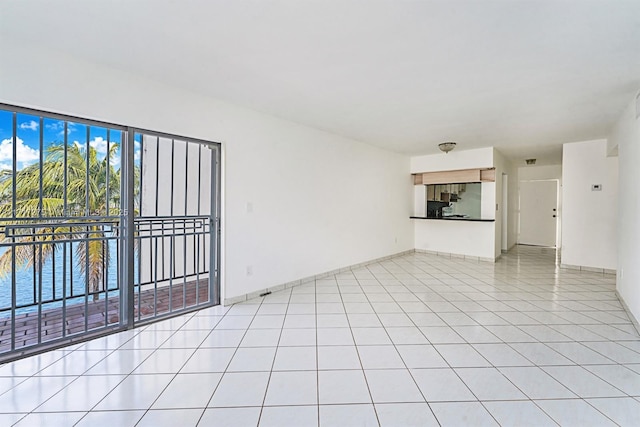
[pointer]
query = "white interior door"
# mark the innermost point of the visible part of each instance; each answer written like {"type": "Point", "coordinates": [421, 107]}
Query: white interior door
{"type": "Point", "coordinates": [538, 213]}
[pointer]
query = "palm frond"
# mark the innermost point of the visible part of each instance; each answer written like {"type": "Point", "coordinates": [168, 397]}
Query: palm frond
{"type": "Point", "coordinates": [65, 170]}
{"type": "Point", "coordinates": [45, 240]}
{"type": "Point", "coordinates": [92, 256]}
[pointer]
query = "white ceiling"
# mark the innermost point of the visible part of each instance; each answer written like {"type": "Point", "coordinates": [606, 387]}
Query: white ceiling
{"type": "Point", "coordinates": [524, 76]}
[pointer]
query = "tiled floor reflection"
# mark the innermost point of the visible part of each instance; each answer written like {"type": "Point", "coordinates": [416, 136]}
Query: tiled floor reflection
{"type": "Point", "coordinates": [419, 340]}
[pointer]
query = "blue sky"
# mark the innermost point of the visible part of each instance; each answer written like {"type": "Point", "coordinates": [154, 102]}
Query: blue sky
{"type": "Point", "coordinates": [28, 138]}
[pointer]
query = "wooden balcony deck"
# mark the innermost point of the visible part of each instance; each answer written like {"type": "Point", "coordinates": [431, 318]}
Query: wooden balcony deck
{"type": "Point", "coordinates": [98, 314]}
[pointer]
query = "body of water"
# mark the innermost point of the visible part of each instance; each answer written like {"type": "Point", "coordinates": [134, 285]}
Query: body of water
{"type": "Point", "coordinates": [52, 274]}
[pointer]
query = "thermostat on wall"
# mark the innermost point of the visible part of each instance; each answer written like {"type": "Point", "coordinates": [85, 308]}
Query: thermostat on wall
{"type": "Point", "coordinates": [596, 187]}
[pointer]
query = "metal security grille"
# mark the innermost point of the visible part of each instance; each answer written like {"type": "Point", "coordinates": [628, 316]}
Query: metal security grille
{"type": "Point", "coordinates": [101, 227]}
{"type": "Point", "coordinates": [175, 216]}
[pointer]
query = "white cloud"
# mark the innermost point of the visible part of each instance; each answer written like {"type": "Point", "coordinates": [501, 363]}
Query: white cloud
{"type": "Point", "coordinates": [31, 125]}
{"type": "Point", "coordinates": [55, 126]}
{"type": "Point", "coordinates": [137, 155]}
{"type": "Point", "coordinates": [100, 145]}
{"type": "Point", "coordinates": [25, 154]}
{"type": "Point", "coordinates": [59, 127]}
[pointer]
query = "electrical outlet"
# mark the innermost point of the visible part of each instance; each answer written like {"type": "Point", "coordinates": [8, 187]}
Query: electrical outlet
{"type": "Point", "coordinates": [249, 270]}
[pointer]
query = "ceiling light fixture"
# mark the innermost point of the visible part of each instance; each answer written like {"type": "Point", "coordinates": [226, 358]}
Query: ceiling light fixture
{"type": "Point", "coordinates": [447, 146]}
{"type": "Point", "coordinates": [531, 161]}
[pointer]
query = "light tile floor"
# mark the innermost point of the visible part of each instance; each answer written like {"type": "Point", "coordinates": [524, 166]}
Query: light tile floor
{"type": "Point", "coordinates": [419, 340]}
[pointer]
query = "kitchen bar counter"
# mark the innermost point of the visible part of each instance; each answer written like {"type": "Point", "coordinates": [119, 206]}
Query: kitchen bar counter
{"type": "Point", "coordinates": [453, 219]}
{"type": "Point", "coordinates": [471, 237]}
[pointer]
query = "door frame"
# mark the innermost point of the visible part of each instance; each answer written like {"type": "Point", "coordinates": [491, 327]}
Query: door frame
{"type": "Point", "coordinates": [558, 240]}
{"type": "Point", "coordinates": [126, 225]}
{"type": "Point", "coordinates": [214, 228]}
{"type": "Point", "coordinates": [505, 213]}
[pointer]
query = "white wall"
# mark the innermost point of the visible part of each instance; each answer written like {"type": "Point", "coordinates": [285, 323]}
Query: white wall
{"type": "Point", "coordinates": [589, 217]}
{"type": "Point", "coordinates": [319, 201]}
{"type": "Point", "coordinates": [533, 173]}
{"type": "Point", "coordinates": [505, 166]}
{"type": "Point", "coordinates": [454, 160]}
{"type": "Point", "coordinates": [469, 238]}
{"type": "Point", "coordinates": [419, 200]}
{"type": "Point", "coordinates": [626, 137]}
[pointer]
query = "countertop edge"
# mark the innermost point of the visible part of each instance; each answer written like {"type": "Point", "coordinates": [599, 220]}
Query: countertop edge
{"type": "Point", "coordinates": [454, 219]}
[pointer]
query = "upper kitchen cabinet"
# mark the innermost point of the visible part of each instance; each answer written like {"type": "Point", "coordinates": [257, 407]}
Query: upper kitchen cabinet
{"type": "Point", "coordinates": [455, 176]}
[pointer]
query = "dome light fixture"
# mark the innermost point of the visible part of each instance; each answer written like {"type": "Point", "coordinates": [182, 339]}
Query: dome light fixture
{"type": "Point", "coordinates": [447, 146]}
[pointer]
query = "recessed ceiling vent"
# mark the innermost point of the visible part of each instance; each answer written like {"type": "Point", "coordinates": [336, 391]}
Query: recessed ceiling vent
{"type": "Point", "coordinates": [531, 161]}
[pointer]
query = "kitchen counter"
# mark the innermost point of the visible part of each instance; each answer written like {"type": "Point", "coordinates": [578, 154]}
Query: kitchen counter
{"type": "Point", "coordinates": [471, 237]}
{"type": "Point", "coordinates": [453, 219]}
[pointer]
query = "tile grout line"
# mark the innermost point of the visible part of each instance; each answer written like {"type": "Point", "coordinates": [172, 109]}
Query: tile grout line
{"type": "Point", "coordinates": [400, 355]}
{"type": "Point", "coordinates": [460, 378]}
{"type": "Point", "coordinates": [125, 376]}
{"type": "Point", "coordinates": [364, 375]}
{"type": "Point", "coordinates": [448, 364]}
{"type": "Point", "coordinates": [573, 298]}
{"type": "Point", "coordinates": [232, 356]}
{"type": "Point", "coordinates": [463, 382]}
{"type": "Point", "coordinates": [275, 355]}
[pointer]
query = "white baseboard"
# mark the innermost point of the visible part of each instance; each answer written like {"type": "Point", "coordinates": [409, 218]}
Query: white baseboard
{"type": "Point", "coordinates": [457, 256]}
{"type": "Point", "coordinates": [634, 321]}
{"type": "Point", "coordinates": [589, 269]}
{"type": "Point", "coordinates": [255, 294]}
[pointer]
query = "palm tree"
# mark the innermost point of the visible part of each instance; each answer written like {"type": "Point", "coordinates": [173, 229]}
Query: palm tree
{"type": "Point", "coordinates": [82, 167]}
